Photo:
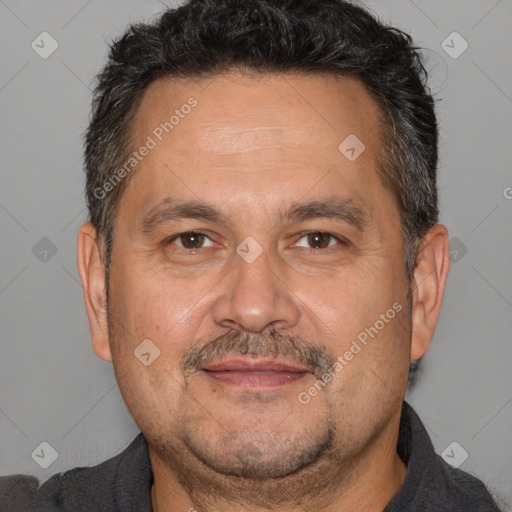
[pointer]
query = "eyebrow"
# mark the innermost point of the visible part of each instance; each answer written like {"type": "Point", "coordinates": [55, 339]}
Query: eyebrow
{"type": "Point", "coordinates": [332, 208]}
{"type": "Point", "coordinates": [169, 210]}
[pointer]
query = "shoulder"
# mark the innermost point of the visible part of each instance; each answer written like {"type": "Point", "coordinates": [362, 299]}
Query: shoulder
{"type": "Point", "coordinates": [79, 489]}
{"type": "Point", "coordinates": [431, 483]}
{"type": "Point", "coordinates": [73, 488]}
{"type": "Point", "coordinates": [466, 491]}
{"type": "Point", "coordinates": [17, 492]}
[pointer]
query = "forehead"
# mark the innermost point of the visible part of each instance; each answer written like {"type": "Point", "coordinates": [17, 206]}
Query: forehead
{"type": "Point", "coordinates": [261, 138]}
{"type": "Point", "coordinates": [282, 104]}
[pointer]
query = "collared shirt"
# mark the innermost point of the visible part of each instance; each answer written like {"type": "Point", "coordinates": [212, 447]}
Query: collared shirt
{"type": "Point", "coordinates": [123, 483]}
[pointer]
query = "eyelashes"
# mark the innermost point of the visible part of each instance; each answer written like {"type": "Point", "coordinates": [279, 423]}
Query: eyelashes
{"type": "Point", "coordinates": [194, 240]}
{"type": "Point", "coordinates": [194, 235]}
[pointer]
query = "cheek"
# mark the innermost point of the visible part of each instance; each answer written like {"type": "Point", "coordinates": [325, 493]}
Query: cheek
{"type": "Point", "coordinates": [362, 315]}
{"type": "Point", "coordinates": [148, 341]}
{"type": "Point", "coordinates": [151, 304]}
{"type": "Point", "coordinates": [345, 302]}
{"type": "Point", "coordinates": [156, 314]}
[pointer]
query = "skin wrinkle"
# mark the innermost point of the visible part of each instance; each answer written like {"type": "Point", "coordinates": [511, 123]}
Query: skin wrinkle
{"type": "Point", "coordinates": [229, 141]}
{"type": "Point", "coordinates": [314, 358]}
{"type": "Point", "coordinates": [169, 210]}
{"type": "Point", "coordinates": [214, 446]}
{"type": "Point", "coordinates": [212, 144]}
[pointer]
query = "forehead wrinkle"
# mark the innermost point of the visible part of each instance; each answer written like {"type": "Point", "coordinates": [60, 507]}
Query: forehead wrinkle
{"type": "Point", "coordinates": [264, 142]}
{"type": "Point", "coordinates": [250, 149]}
{"type": "Point", "coordinates": [169, 209]}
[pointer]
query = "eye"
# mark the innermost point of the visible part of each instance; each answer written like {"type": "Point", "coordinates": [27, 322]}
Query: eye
{"type": "Point", "coordinates": [190, 240]}
{"type": "Point", "coordinates": [319, 239]}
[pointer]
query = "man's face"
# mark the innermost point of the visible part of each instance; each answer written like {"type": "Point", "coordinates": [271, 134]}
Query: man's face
{"type": "Point", "coordinates": [302, 283]}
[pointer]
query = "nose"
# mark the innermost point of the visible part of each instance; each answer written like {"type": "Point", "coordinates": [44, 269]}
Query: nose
{"type": "Point", "coordinates": [254, 296]}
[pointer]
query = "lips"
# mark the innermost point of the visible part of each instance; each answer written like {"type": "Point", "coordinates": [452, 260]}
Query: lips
{"type": "Point", "coordinates": [254, 373]}
{"type": "Point", "coordinates": [252, 365]}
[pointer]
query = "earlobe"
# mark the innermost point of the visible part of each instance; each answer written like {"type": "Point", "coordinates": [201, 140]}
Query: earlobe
{"type": "Point", "coordinates": [430, 276]}
{"type": "Point", "coordinates": [92, 275]}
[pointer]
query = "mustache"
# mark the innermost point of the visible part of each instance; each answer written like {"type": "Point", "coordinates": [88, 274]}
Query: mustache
{"type": "Point", "coordinates": [271, 343]}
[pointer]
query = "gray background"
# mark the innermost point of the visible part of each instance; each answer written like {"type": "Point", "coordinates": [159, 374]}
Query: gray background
{"type": "Point", "coordinates": [52, 386]}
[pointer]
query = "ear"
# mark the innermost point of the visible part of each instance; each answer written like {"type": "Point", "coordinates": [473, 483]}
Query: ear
{"type": "Point", "coordinates": [430, 276]}
{"type": "Point", "coordinates": [92, 275]}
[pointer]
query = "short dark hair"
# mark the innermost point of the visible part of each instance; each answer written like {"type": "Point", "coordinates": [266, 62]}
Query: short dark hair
{"type": "Point", "coordinates": [203, 38]}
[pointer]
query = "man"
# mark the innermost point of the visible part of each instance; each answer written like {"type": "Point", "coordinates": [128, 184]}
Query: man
{"type": "Point", "coordinates": [263, 262]}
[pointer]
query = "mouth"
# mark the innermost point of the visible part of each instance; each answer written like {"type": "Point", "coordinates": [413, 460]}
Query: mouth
{"type": "Point", "coordinates": [254, 373]}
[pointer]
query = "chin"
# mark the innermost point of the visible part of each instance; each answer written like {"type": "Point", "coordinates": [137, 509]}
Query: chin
{"type": "Point", "coordinates": [259, 453]}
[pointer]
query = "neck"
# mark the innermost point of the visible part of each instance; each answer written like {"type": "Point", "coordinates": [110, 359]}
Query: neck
{"type": "Point", "coordinates": [366, 482]}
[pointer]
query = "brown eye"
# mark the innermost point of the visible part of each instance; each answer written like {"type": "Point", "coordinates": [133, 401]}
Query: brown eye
{"type": "Point", "coordinates": [318, 240]}
{"type": "Point", "coordinates": [191, 240]}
